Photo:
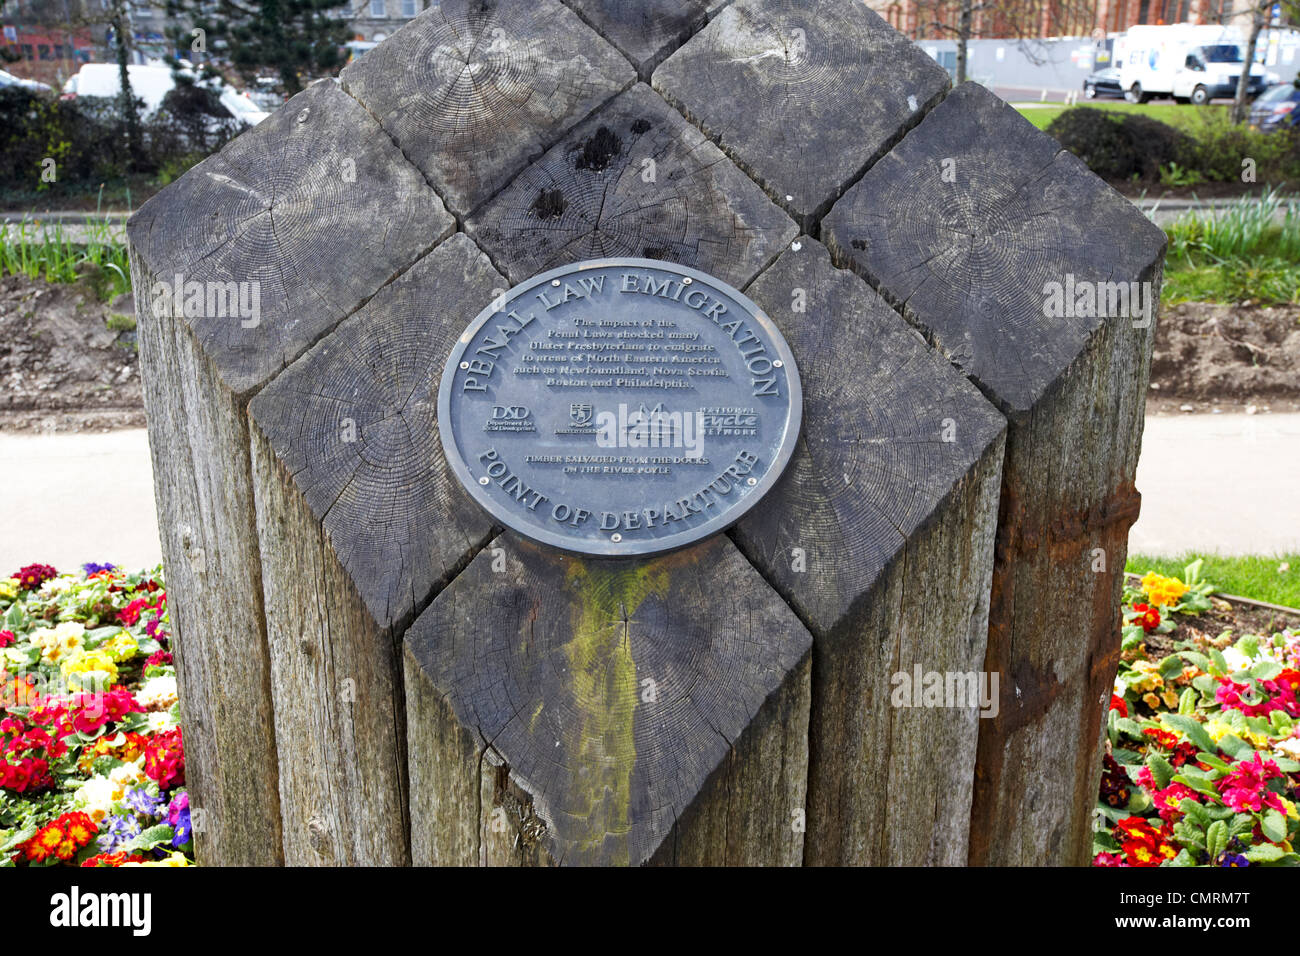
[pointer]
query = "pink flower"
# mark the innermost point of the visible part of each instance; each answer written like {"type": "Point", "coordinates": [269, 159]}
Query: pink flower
{"type": "Point", "coordinates": [1244, 786]}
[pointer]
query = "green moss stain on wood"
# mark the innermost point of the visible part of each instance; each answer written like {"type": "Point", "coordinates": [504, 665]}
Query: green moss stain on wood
{"type": "Point", "coordinates": [605, 694]}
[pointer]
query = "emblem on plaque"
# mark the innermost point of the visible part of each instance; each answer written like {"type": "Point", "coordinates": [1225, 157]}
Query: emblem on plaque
{"type": "Point", "coordinates": [620, 407]}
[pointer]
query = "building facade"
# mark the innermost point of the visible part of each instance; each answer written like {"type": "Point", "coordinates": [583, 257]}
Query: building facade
{"type": "Point", "coordinates": [930, 19]}
{"type": "Point", "coordinates": [375, 20]}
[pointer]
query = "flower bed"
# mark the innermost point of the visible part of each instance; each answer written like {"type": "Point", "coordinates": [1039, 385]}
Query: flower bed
{"type": "Point", "coordinates": [1202, 751]}
{"type": "Point", "coordinates": [92, 766]}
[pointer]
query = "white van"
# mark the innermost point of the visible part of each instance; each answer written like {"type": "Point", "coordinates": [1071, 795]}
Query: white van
{"type": "Point", "coordinates": [1191, 63]}
{"type": "Point", "coordinates": [152, 84]}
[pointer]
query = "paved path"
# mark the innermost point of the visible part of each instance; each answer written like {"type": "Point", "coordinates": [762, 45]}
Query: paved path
{"type": "Point", "coordinates": [76, 498]}
{"type": "Point", "coordinates": [1225, 483]}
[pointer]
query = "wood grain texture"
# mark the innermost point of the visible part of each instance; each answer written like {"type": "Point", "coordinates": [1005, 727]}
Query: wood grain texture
{"type": "Point", "coordinates": [633, 180]}
{"type": "Point", "coordinates": [802, 95]}
{"type": "Point", "coordinates": [314, 208]}
{"type": "Point", "coordinates": [970, 259]}
{"type": "Point", "coordinates": [646, 31]}
{"type": "Point", "coordinates": [198, 441]}
{"type": "Point", "coordinates": [1068, 501]}
{"type": "Point", "coordinates": [964, 223]}
{"type": "Point", "coordinates": [361, 522]}
{"type": "Point", "coordinates": [629, 711]}
{"type": "Point", "coordinates": [312, 211]}
{"type": "Point", "coordinates": [880, 534]}
{"type": "Point", "coordinates": [471, 90]}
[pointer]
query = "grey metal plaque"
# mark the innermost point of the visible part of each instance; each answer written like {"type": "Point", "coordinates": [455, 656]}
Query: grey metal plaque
{"type": "Point", "coordinates": [619, 406]}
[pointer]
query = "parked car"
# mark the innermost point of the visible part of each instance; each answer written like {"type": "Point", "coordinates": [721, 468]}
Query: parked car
{"type": "Point", "coordinates": [1276, 108]}
{"type": "Point", "coordinates": [152, 84]}
{"type": "Point", "coordinates": [1103, 83]}
{"type": "Point", "coordinates": [8, 79]}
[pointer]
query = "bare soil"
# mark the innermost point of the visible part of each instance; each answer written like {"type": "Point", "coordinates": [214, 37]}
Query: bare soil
{"type": "Point", "coordinates": [62, 368]}
{"type": "Point", "coordinates": [1227, 357]}
{"type": "Point", "coordinates": [1208, 629]}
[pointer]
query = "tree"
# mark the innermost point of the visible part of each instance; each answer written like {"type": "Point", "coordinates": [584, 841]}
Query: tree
{"type": "Point", "coordinates": [1021, 20]}
{"type": "Point", "coordinates": [116, 15]}
{"type": "Point", "coordinates": [289, 37]}
{"type": "Point", "coordinates": [1259, 11]}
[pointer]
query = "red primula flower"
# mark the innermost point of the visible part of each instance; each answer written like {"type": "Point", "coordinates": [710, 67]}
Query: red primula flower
{"type": "Point", "coordinates": [34, 575]}
{"type": "Point", "coordinates": [1162, 738]}
{"type": "Point", "coordinates": [1147, 616]}
{"type": "Point", "coordinates": [111, 859]}
{"type": "Point", "coordinates": [6, 638]}
{"type": "Point", "coordinates": [164, 759]}
{"type": "Point", "coordinates": [62, 838]}
{"type": "Point", "coordinates": [27, 773]}
{"type": "Point", "coordinates": [158, 659]}
{"type": "Point", "coordinates": [1117, 703]}
{"type": "Point", "coordinates": [1116, 787]}
{"type": "Point", "coordinates": [1143, 845]}
{"type": "Point", "coordinates": [130, 615]}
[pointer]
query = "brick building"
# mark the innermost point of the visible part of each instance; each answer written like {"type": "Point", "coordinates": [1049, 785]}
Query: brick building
{"type": "Point", "coordinates": [921, 19]}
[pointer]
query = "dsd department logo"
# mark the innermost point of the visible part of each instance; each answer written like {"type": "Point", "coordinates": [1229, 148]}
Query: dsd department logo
{"type": "Point", "coordinates": [510, 418]}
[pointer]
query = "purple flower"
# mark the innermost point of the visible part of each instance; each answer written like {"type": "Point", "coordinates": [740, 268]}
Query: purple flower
{"type": "Point", "coordinates": [144, 803]}
{"type": "Point", "coordinates": [91, 567]}
{"type": "Point", "coordinates": [1233, 859]}
{"type": "Point", "coordinates": [178, 815]}
{"type": "Point", "coordinates": [115, 831]}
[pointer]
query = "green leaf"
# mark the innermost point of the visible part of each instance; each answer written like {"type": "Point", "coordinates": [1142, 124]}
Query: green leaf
{"type": "Point", "coordinates": [1171, 667]}
{"type": "Point", "coordinates": [12, 840]}
{"type": "Point", "coordinates": [1162, 771]}
{"type": "Point", "coordinates": [1199, 784]}
{"type": "Point", "coordinates": [1191, 729]}
{"type": "Point", "coordinates": [1264, 853]}
{"type": "Point", "coordinates": [1213, 761]}
{"type": "Point", "coordinates": [1194, 811]}
{"type": "Point", "coordinates": [1130, 726]}
{"type": "Point", "coordinates": [150, 838]}
{"type": "Point", "coordinates": [1235, 747]}
{"type": "Point", "coordinates": [1192, 657]}
{"type": "Point", "coordinates": [1265, 670]}
{"type": "Point", "coordinates": [1216, 839]}
{"type": "Point", "coordinates": [1273, 824]}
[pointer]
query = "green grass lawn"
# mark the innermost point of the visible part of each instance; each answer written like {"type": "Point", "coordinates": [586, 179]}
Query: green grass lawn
{"type": "Point", "coordinates": [1183, 115]}
{"type": "Point", "coordinates": [1255, 576]}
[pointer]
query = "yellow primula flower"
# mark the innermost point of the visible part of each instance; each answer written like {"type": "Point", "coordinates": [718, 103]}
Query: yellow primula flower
{"type": "Point", "coordinates": [1217, 729]}
{"type": "Point", "coordinates": [121, 647]}
{"type": "Point", "coordinates": [83, 662]}
{"type": "Point", "coordinates": [1261, 741]}
{"type": "Point", "coordinates": [8, 589]}
{"type": "Point", "coordinates": [60, 641]}
{"type": "Point", "coordinates": [171, 859]}
{"type": "Point", "coordinates": [1162, 591]}
{"type": "Point", "coordinates": [1150, 679]}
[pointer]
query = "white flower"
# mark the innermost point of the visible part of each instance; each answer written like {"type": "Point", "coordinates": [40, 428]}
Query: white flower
{"type": "Point", "coordinates": [159, 721]}
{"type": "Point", "coordinates": [97, 796]}
{"type": "Point", "coordinates": [1237, 660]}
{"type": "Point", "coordinates": [158, 693]}
{"type": "Point", "coordinates": [57, 585]}
{"type": "Point", "coordinates": [128, 774]}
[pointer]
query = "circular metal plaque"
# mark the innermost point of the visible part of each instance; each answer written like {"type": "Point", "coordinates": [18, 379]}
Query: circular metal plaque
{"type": "Point", "coordinates": [619, 407]}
